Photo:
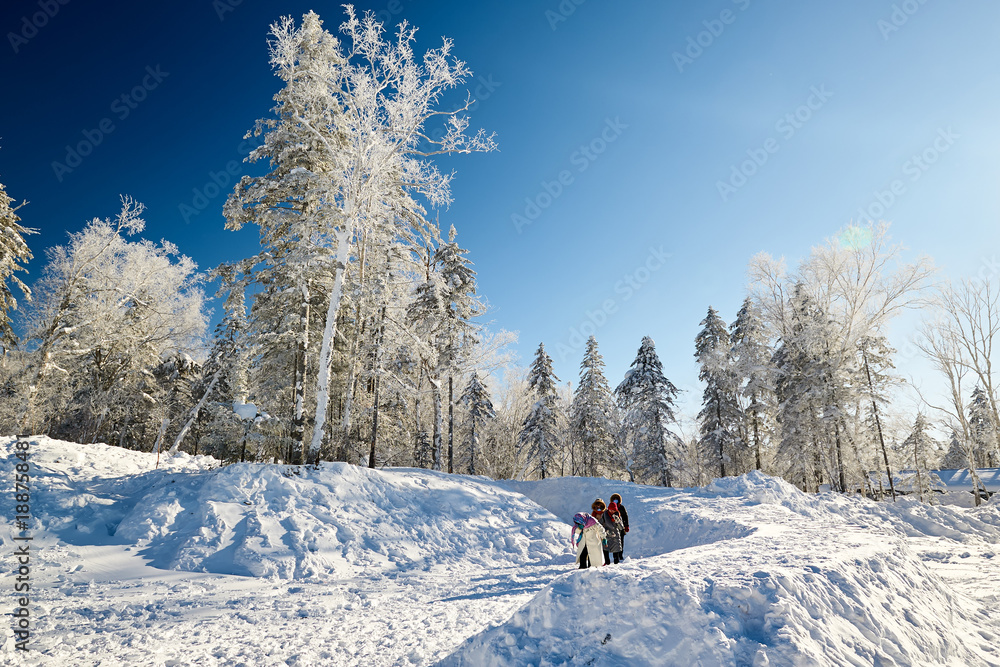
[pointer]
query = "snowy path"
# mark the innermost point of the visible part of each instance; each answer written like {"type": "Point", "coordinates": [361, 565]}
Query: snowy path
{"type": "Point", "coordinates": [103, 606]}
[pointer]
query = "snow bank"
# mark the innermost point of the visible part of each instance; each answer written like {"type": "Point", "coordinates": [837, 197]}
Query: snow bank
{"type": "Point", "coordinates": [266, 520]}
{"type": "Point", "coordinates": [292, 522]}
{"type": "Point", "coordinates": [785, 579]}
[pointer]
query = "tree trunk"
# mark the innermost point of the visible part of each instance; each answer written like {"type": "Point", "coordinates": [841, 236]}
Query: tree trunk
{"type": "Point", "coordinates": [451, 425]}
{"type": "Point", "coordinates": [438, 422]}
{"type": "Point", "coordinates": [756, 438]}
{"type": "Point", "coordinates": [371, 449]}
{"type": "Point", "coordinates": [301, 355]}
{"type": "Point", "coordinates": [472, 446]}
{"type": "Point", "coordinates": [194, 413]}
{"type": "Point", "coordinates": [841, 474]}
{"type": "Point", "coordinates": [878, 426]}
{"type": "Point", "coordinates": [722, 451]}
{"type": "Point", "coordinates": [326, 349]}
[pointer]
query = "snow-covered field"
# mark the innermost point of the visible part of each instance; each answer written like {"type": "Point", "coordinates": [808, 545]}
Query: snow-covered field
{"type": "Point", "coordinates": [193, 564]}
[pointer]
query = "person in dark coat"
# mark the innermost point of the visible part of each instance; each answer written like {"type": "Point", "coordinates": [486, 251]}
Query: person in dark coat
{"type": "Point", "coordinates": [617, 499]}
{"type": "Point", "coordinates": [613, 527]}
{"type": "Point", "coordinates": [616, 531]}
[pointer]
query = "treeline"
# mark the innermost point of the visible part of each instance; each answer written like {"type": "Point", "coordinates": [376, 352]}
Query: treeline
{"type": "Point", "coordinates": [801, 385]}
{"type": "Point", "coordinates": [355, 333]}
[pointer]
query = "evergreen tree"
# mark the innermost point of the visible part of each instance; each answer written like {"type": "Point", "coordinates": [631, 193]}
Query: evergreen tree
{"type": "Point", "coordinates": [983, 430]}
{"type": "Point", "coordinates": [13, 254]}
{"type": "Point", "coordinates": [719, 415]}
{"type": "Point", "coordinates": [955, 458]}
{"type": "Point", "coordinates": [592, 413]}
{"type": "Point", "coordinates": [646, 398]}
{"type": "Point", "coordinates": [539, 433]}
{"type": "Point", "coordinates": [919, 448]}
{"type": "Point", "coordinates": [800, 365]}
{"type": "Point", "coordinates": [460, 304]}
{"type": "Point", "coordinates": [751, 354]}
{"type": "Point", "coordinates": [476, 399]}
{"type": "Point", "coordinates": [294, 204]}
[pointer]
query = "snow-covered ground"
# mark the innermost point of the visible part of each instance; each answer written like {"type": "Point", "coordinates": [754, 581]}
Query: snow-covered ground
{"type": "Point", "coordinates": [196, 564]}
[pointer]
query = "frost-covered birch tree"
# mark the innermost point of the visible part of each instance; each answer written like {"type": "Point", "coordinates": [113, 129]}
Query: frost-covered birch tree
{"type": "Point", "coordinates": [106, 312]}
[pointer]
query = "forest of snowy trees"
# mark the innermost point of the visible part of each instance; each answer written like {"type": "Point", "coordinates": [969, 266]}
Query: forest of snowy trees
{"type": "Point", "coordinates": [356, 333]}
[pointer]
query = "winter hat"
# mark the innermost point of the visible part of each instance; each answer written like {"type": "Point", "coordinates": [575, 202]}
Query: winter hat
{"type": "Point", "coordinates": [598, 505]}
{"type": "Point", "coordinates": [615, 498]}
{"type": "Point", "coordinates": [613, 508]}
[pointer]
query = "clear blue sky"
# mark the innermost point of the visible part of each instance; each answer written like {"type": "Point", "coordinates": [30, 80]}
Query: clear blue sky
{"type": "Point", "coordinates": [885, 81]}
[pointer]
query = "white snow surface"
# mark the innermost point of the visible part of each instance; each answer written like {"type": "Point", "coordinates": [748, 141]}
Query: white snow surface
{"type": "Point", "coordinates": [193, 563]}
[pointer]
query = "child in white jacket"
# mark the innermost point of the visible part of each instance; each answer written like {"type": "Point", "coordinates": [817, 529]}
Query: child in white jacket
{"type": "Point", "coordinates": [588, 538]}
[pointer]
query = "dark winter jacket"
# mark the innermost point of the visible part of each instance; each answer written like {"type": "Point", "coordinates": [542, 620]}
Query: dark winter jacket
{"type": "Point", "coordinates": [621, 510]}
{"type": "Point", "coordinates": [614, 528]}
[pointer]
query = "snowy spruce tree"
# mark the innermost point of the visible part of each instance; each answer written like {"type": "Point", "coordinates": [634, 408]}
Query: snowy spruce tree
{"type": "Point", "coordinates": [479, 408]}
{"type": "Point", "coordinates": [14, 253]}
{"type": "Point", "coordinates": [983, 430]}
{"type": "Point", "coordinates": [801, 366]}
{"type": "Point", "coordinates": [719, 416]}
{"type": "Point", "coordinates": [592, 421]}
{"type": "Point", "coordinates": [539, 432]}
{"type": "Point", "coordinates": [751, 355]}
{"type": "Point", "coordinates": [457, 282]}
{"type": "Point", "coordinates": [921, 451]}
{"type": "Point", "coordinates": [646, 399]}
{"type": "Point", "coordinates": [350, 149]}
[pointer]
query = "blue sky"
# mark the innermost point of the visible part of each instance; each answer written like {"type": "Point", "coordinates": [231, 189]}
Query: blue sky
{"type": "Point", "coordinates": [617, 122]}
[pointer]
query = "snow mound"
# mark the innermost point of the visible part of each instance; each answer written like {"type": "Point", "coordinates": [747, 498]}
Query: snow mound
{"type": "Point", "coordinates": [785, 579]}
{"type": "Point", "coordinates": [293, 522]}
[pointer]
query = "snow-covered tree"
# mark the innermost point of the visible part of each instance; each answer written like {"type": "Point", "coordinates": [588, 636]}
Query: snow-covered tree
{"type": "Point", "coordinates": [719, 416]}
{"type": "Point", "coordinates": [983, 430]}
{"type": "Point", "coordinates": [646, 398]}
{"type": "Point", "coordinates": [592, 414]}
{"type": "Point", "coordinates": [921, 450]}
{"type": "Point", "coordinates": [479, 407]}
{"type": "Point", "coordinates": [13, 253]}
{"type": "Point", "coordinates": [751, 354]}
{"type": "Point", "coordinates": [876, 364]}
{"type": "Point", "coordinates": [539, 433]}
{"type": "Point", "coordinates": [106, 312]}
{"type": "Point", "coordinates": [387, 98]}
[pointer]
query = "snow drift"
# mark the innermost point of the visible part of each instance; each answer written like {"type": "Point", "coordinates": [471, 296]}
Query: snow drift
{"type": "Point", "coordinates": [787, 579]}
{"type": "Point", "coordinates": [288, 522]}
{"type": "Point", "coordinates": [457, 570]}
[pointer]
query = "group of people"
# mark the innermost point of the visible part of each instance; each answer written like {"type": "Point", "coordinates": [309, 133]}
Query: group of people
{"type": "Point", "coordinates": [600, 533]}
